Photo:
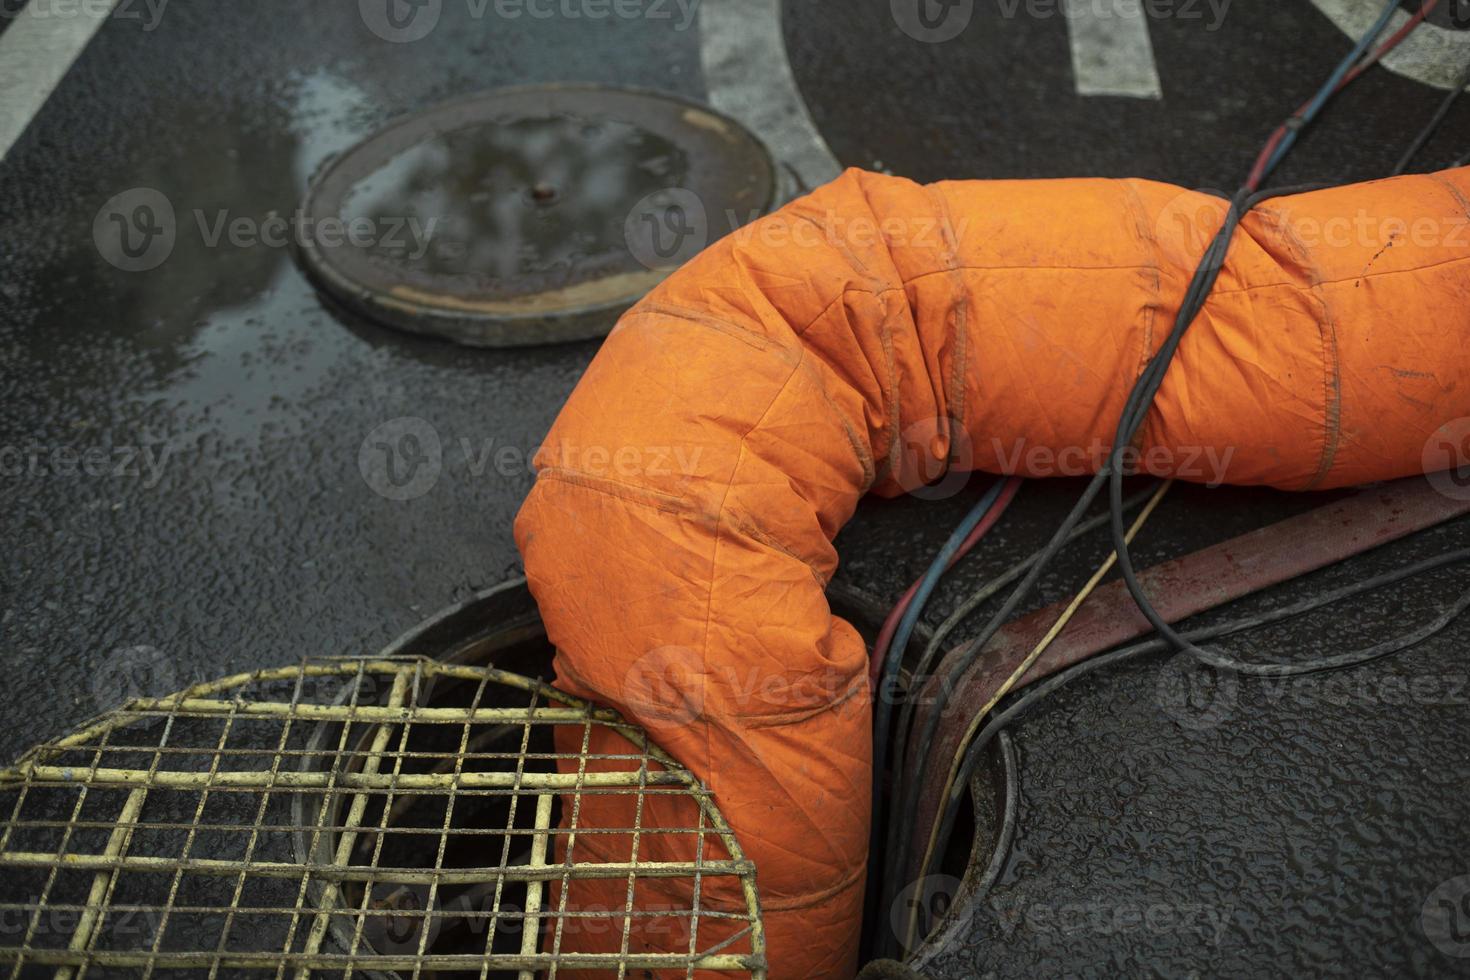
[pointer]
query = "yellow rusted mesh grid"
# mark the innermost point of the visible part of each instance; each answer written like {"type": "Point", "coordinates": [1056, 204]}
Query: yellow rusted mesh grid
{"type": "Point", "coordinates": [350, 817]}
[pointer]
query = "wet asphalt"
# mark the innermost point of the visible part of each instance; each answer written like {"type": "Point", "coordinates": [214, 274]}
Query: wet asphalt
{"type": "Point", "coordinates": [184, 496]}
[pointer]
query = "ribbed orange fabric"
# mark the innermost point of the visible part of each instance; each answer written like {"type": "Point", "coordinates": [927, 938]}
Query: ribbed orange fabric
{"type": "Point", "coordinates": [678, 538]}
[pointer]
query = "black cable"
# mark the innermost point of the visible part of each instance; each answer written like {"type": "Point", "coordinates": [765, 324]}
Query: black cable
{"type": "Point", "coordinates": [1004, 838]}
{"type": "Point", "coordinates": [1040, 691]}
{"type": "Point", "coordinates": [1133, 414]}
{"type": "Point", "coordinates": [1139, 402]}
{"type": "Point", "coordinates": [1434, 123]}
{"type": "Point", "coordinates": [901, 814]}
{"type": "Point", "coordinates": [874, 903]}
{"type": "Point", "coordinates": [889, 970]}
{"type": "Point", "coordinates": [975, 599]}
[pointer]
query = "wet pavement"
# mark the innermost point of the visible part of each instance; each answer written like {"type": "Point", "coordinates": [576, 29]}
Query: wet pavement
{"type": "Point", "coordinates": [193, 484]}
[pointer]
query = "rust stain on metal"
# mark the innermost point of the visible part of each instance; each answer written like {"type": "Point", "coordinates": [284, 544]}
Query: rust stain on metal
{"type": "Point", "coordinates": [1180, 588]}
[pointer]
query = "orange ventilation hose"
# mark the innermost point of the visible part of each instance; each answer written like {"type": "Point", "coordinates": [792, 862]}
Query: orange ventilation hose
{"type": "Point", "coordinates": [679, 536]}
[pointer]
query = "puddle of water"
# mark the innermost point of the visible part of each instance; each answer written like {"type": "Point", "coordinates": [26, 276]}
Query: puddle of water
{"type": "Point", "coordinates": [533, 198]}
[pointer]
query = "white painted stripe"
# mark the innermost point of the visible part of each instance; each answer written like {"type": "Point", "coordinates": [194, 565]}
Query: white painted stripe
{"type": "Point", "coordinates": [748, 76]}
{"type": "Point", "coordinates": [35, 53]}
{"type": "Point", "coordinates": [1432, 55]}
{"type": "Point", "coordinates": [1112, 53]}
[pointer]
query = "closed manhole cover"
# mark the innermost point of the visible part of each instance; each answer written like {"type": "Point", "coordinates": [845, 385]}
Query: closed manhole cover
{"type": "Point", "coordinates": [528, 215]}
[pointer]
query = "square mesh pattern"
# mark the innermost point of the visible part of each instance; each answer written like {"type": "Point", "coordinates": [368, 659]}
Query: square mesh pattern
{"type": "Point", "coordinates": [352, 817]}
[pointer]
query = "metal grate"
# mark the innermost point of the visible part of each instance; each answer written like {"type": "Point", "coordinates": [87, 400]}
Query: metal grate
{"type": "Point", "coordinates": [362, 817]}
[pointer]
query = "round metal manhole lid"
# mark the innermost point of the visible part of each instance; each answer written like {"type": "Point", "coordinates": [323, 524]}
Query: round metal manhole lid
{"type": "Point", "coordinates": [528, 215]}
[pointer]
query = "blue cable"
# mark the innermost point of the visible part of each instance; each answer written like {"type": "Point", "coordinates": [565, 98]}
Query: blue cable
{"type": "Point", "coordinates": [882, 710]}
{"type": "Point", "coordinates": [1320, 99]}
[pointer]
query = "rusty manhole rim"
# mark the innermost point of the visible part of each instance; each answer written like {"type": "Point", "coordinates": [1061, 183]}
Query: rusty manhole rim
{"type": "Point", "coordinates": [505, 328]}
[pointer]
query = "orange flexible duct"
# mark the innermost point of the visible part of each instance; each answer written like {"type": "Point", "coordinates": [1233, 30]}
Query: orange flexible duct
{"type": "Point", "coordinates": [863, 338]}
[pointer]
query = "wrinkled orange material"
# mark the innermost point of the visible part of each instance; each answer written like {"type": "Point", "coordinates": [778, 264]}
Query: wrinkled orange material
{"type": "Point", "coordinates": [678, 539]}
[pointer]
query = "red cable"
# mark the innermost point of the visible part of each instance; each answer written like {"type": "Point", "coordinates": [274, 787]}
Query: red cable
{"type": "Point", "coordinates": [1258, 171]}
{"type": "Point", "coordinates": [890, 625]}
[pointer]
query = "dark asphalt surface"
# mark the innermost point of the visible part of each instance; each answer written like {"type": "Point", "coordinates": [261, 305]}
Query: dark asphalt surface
{"type": "Point", "coordinates": [224, 523]}
{"type": "Point", "coordinates": [998, 101]}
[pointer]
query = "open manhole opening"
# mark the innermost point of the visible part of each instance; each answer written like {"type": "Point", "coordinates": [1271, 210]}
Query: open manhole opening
{"type": "Point", "coordinates": [118, 850]}
{"type": "Point", "coordinates": [381, 817]}
{"type": "Point", "coordinates": [528, 215]}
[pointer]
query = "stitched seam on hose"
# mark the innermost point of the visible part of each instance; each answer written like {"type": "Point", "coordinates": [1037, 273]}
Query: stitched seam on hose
{"type": "Point", "coordinates": [624, 491]}
{"type": "Point", "coordinates": [730, 328]}
{"type": "Point", "coordinates": [1356, 277]}
{"type": "Point", "coordinates": [875, 282]}
{"type": "Point", "coordinates": [809, 899]}
{"type": "Point", "coordinates": [855, 440]}
{"type": "Point", "coordinates": [1213, 292]}
{"type": "Point", "coordinates": [960, 314]}
{"type": "Point", "coordinates": [1135, 205]}
{"type": "Point", "coordinates": [858, 686]}
{"type": "Point", "coordinates": [885, 327]}
{"type": "Point", "coordinates": [1332, 382]}
{"type": "Point", "coordinates": [1331, 363]}
{"type": "Point", "coordinates": [765, 538]}
{"type": "Point", "coordinates": [842, 295]}
{"type": "Point", "coordinates": [714, 562]}
{"type": "Point", "coordinates": [1454, 192]}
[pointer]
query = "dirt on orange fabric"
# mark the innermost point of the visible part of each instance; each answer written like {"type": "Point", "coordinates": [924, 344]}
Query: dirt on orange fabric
{"type": "Point", "coordinates": [865, 338]}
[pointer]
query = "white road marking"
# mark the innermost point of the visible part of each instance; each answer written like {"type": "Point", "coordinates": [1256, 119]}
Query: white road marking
{"type": "Point", "coordinates": [1432, 55]}
{"type": "Point", "coordinates": [1112, 53]}
{"type": "Point", "coordinates": [36, 52]}
{"type": "Point", "coordinates": [748, 76]}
